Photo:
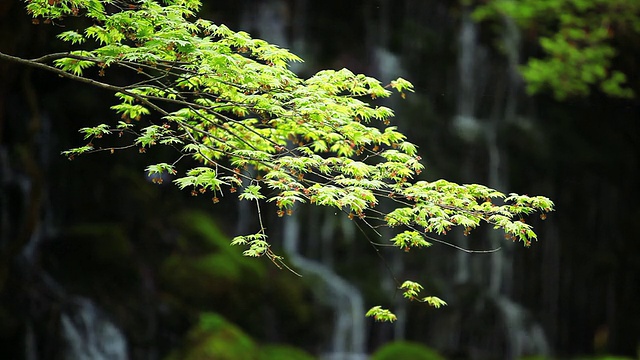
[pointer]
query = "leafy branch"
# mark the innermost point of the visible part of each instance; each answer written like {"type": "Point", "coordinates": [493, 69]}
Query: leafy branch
{"type": "Point", "coordinates": [253, 127]}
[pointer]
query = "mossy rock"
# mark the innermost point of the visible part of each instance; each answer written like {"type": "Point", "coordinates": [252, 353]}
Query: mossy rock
{"type": "Point", "coordinates": [606, 357]}
{"type": "Point", "coordinates": [602, 357]}
{"type": "Point", "coordinates": [405, 350]}
{"type": "Point", "coordinates": [205, 265]}
{"type": "Point", "coordinates": [215, 338]}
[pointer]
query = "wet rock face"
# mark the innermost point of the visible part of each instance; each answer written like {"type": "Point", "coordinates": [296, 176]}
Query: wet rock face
{"type": "Point", "coordinates": [579, 281]}
{"type": "Point", "coordinates": [88, 333]}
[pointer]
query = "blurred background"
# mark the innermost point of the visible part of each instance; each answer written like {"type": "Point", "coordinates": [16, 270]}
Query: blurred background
{"type": "Point", "coordinates": [97, 262]}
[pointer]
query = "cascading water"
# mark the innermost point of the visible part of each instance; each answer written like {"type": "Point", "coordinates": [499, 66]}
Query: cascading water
{"type": "Point", "coordinates": [348, 336]}
{"type": "Point", "coordinates": [83, 329]}
{"type": "Point", "coordinates": [89, 334]}
{"type": "Point", "coordinates": [348, 340]}
{"type": "Point", "coordinates": [523, 335]}
{"type": "Point", "coordinates": [468, 127]}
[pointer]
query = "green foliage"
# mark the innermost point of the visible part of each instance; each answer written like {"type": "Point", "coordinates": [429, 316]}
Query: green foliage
{"type": "Point", "coordinates": [405, 350]}
{"type": "Point", "coordinates": [434, 301]}
{"type": "Point", "coordinates": [215, 338]}
{"type": "Point", "coordinates": [411, 289]}
{"type": "Point", "coordinates": [380, 314]}
{"type": "Point", "coordinates": [277, 352]}
{"type": "Point", "coordinates": [253, 127]}
{"type": "Point", "coordinates": [577, 37]}
{"type": "Point", "coordinates": [602, 357]}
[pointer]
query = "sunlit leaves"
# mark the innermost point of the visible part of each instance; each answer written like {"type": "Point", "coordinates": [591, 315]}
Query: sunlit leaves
{"type": "Point", "coordinates": [409, 239]}
{"type": "Point", "coordinates": [130, 111]}
{"type": "Point", "coordinates": [71, 36]}
{"type": "Point", "coordinates": [356, 169]}
{"type": "Point", "coordinates": [71, 153]}
{"type": "Point", "coordinates": [401, 85]}
{"type": "Point", "coordinates": [56, 9]}
{"type": "Point", "coordinates": [440, 206]}
{"type": "Point", "coordinates": [200, 178]}
{"type": "Point", "coordinates": [153, 134]}
{"type": "Point", "coordinates": [434, 301]}
{"type": "Point", "coordinates": [251, 192]}
{"type": "Point", "coordinates": [160, 169]}
{"type": "Point", "coordinates": [256, 248]}
{"type": "Point", "coordinates": [410, 291]}
{"type": "Point", "coordinates": [97, 131]}
{"type": "Point", "coordinates": [74, 66]}
{"type": "Point", "coordinates": [257, 244]}
{"type": "Point", "coordinates": [104, 36]}
{"type": "Point", "coordinates": [400, 216]}
{"type": "Point", "coordinates": [380, 314]}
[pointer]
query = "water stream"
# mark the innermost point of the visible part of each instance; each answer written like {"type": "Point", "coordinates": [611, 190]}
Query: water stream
{"type": "Point", "coordinates": [88, 333]}
{"type": "Point", "coordinates": [523, 335]}
{"type": "Point", "coordinates": [348, 336]}
{"type": "Point", "coordinates": [84, 331]}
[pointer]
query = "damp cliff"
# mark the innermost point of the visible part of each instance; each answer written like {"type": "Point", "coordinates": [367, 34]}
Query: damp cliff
{"type": "Point", "coordinates": [97, 262]}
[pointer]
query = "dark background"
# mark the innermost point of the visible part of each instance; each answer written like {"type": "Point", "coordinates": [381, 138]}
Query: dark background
{"type": "Point", "coordinates": [153, 258]}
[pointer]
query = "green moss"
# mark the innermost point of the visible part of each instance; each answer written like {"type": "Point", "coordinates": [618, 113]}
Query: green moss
{"type": "Point", "coordinates": [405, 350]}
{"type": "Point", "coordinates": [213, 337]}
{"type": "Point", "coordinates": [278, 352]}
{"type": "Point", "coordinates": [205, 264]}
{"type": "Point", "coordinates": [607, 357]}
{"type": "Point", "coordinates": [204, 236]}
{"type": "Point", "coordinates": [202, 226]}
{"type": "Point", "coordinates": [602, 357]}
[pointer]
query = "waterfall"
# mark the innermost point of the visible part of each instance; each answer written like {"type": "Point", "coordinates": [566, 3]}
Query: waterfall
{"type": "Point", "coordinates": [479, 127]}
{"type": "Point", "coordinates": [89, 334]}
{"type": "Point", "coordinates": [26, 221]}
{"type": "Point", "coordinates": [471, 57]}
{"type": "Point", "coordinates": [503, 112]}
{"type": "Point", "coordinates": [348, 338]}
{"type": "Point", "coordinates": [270, 20]}
{"type": "Point", "coordinates": [524, 335]}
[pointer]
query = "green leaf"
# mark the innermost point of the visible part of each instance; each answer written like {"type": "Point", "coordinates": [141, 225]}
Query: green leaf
{"type": "Point", "coordinates": [160, 169]}
{"type": "Point", "coordinates": [434, 301]}
{"type": "Point", "coordinates": [411, 289]}
{"type": "Point", "coordinates": [71, 36]}
{"type": "Point", "coordinates": [74, 66]}
{"type": "Point", "coordinates": [401, 85]}
{"type": "Point", "coordinates": [130, 111]}
{"type": "Point", "coordinates": [251, 192]}
{"type": "Point", "coordinates": [77, 151]}
{"type": "Point", "coordinates": [410, 238]}
{"type": "Point", "coordinates": [97, 131]}
{"type": "Point", "coordinates": [380, 314]}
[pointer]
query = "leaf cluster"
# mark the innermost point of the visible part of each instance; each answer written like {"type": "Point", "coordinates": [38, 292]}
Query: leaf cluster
{"type": "Point", "coordinates": [577, 38]}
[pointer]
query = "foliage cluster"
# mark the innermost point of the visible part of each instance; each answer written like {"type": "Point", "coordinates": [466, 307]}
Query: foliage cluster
{"type": "Point", "coordinates": [578, 41]}
{"type": "Point", "coordinates": [253, 127]}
